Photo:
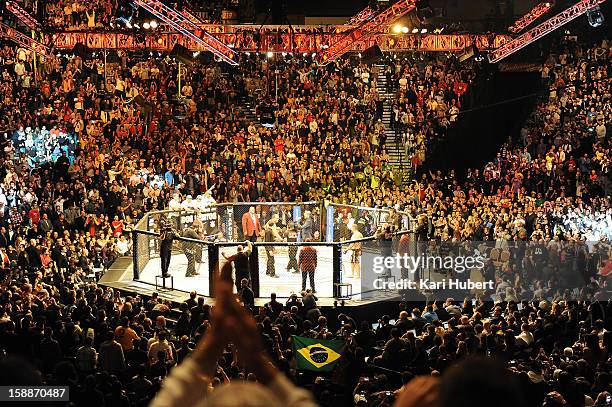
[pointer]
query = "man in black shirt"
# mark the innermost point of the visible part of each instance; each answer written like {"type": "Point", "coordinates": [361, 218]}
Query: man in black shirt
{"type": "Point", "coordinates": [241, 263]}
{"type": "Point", "coordinates": [166, 237]}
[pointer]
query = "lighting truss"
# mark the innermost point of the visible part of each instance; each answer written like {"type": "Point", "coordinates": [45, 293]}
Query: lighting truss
{"type": "Point", "coordinates": [23, 40]}
{"type": "Point", "coordinates": [369, 27]}
{"type": "Point", "coordinates": [22, 15]}
{"type": "Point", "coordinates": [191, 17]}
{"type": "Point", "coordinates": [189, 29]}
{"type": "Point", "coordinates": [533, 14]}
{"type": "Point", "coordinates": [360, 17]}
{"type": "Point", "coordinates": [541, 30]}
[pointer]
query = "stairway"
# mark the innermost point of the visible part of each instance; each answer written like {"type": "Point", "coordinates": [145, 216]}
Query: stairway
{"type": "Point", "coordinates": [394, 148]}
{"type": "Point", "coordinates": [249, 110]}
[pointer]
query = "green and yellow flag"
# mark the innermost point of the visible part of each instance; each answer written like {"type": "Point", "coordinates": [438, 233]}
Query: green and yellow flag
{"type": "Point", "coordinates": [320, 355]}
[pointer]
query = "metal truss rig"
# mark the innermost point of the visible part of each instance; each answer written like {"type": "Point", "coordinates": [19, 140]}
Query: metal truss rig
{"type": "Point", "coordinates": [367, 28]}
{"type": "Point", "coordinates": [541, 30]}
{"type": "Point", "coordinates": [23, 40]}
{"type": "Point", "coordinates": [533, 14]}
{"type": "Point", "coordinates": [22, 15]}
{"type": "Point", "coordinates": [360, 17]}
{"type": "Point", "coordinates": [356, 20]}
{"type": "Point", "coordinates": [189, 29]}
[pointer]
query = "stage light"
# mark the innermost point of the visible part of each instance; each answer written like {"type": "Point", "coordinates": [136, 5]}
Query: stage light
{"type": "Point", "coordinates": [136, 26]}
{"type": "Point", "coordinates": [195, 54]}
{"type": "Point", "coordinates": [247, 53]}
{"type": "Point", "coordinates": [146, 25]}
{"type": "Point", "coordinates": [128, 24]}
{"type": "Point", "coordinates": [270, 54]}
{"type": "Point", "coordinates": [153, 24]}
{"type": "Point", "coordinates": [405, 30]}
{"type": "Point", "coordinates": [359, 55]}
{"type": "Point", "coordinates": [284, 54]}
{"type": "Point", "coordinates": [397, 28]}
{"type": "Point", "coordinates": [415, 30]}
{"type": "Point", "coordinates": [595, 17]}
{"type": "Point", "coordinates": [304, 54]}
{"type": "Point", "coordinates": [160, 40]}
{"type": "Point", "coordinates": [314, 54]}
{"type": "Point", "coordinates": [424, 31]}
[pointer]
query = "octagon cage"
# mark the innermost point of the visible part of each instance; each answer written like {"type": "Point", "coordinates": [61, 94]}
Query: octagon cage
{"type": "Point", "coordinates": [291, 246]}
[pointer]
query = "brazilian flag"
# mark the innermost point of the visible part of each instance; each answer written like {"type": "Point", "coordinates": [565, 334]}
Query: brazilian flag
{"type": "Point", "coordinates": [320, 355]}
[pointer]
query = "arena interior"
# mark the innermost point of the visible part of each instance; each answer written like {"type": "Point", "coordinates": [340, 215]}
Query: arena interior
{"type": "Point", "coordinates": [289, 203]}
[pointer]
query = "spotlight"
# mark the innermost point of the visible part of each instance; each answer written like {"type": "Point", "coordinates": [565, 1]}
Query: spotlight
{"type": "Point", "coordinates": [128, 24]}
{"type": "Point", "coordinates": [153, 24]}
{"type": "Point", "coordinates": [160, 40]}
{"type": "Point", "coordinates": [270, 54]}
{"type": "Point", "coordinates": [424, 31]}
{"type": "Point", "coordinates": [359, 55]}
{"type": "Point", "coordinates": [136, 26]}
{"type": "Point", "coordinates": [146, 25]}
{"type": "Point", "coordinates": [405, 30]}
{"type": "Point", "coordinates": [195, 54]}
{"type": "Point", "coordinates": [415, 30]}
{"type": "Point", "coordinates": [595, 17]}
{"type": "Point", "coordinates": [304, 54]}
{"type": "Point", "coordinates": [397, 28]}
{"type": "Point", "coordinates": [284, 54]}
{"type": "Point", "coordinates": [314, 54]}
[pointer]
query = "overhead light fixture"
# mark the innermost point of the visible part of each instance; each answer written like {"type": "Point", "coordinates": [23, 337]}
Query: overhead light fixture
{"type": "Point", "coordinates": [314, 54]}
{"type": "Point", "coordinates": [270, 54]}
{"type": "Point", "coordinates": [146, 25]}
{"type": "Point", "coordinates": [153, 24]}
{"type": "Point", "coordinates": [128, 24]}
{"type": "Point", "coordinates": [423, 30]}
{"type": "Point", "coordinates": [595, 17]}
{"type": "Point", "coordinates": [284, 54]}
{"type": "Point", "coordinates": [415, 30]}
{"type": "Point", "coordinates": [195, 54]}
{"type": "Point", "coordinates": [397, 28]}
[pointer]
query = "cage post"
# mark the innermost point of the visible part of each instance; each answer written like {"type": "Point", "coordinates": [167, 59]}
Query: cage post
{"type": "Point", "coordinates": [135, 265]}
{"type": "Point", "coordinates": [213, 262]}
{"type": "Point", "coordinates": [336, 264]}
{"type": "Point", "coordinates": [254, 268]}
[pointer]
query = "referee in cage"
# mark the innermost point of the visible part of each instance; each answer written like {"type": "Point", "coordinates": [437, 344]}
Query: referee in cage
{"type": "Point", "coordinates": [307, 264]}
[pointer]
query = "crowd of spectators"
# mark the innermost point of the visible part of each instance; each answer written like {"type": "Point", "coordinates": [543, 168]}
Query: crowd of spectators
{"type": "Point", "coordinates": [428, 92]}
{"type": "Point", "coordinates": [142, 140]}
{"type": "Point", "coordinates": [104, 15]}
{"type": "Point", "coordinates": [72, 15]}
